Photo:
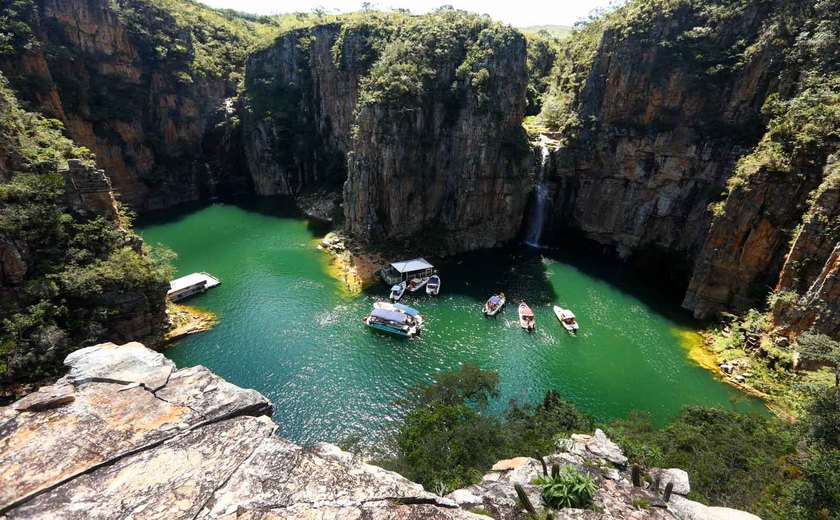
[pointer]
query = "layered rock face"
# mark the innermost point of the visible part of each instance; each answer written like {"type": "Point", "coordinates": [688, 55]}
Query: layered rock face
{"type": "Point", "coordinates": [145, 122]}
{"type": "Point", "coordinates": [658, 138]}
{"type": "Point", "coordinates": [126, 434]}
{"type": "Point", "coordinates": [442, 153]}
{"type": "Point", "coordinates": [652, 158]}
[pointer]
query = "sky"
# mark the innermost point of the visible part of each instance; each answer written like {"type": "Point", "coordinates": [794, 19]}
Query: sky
{"type": "Point", "coordinates": [519, 13]}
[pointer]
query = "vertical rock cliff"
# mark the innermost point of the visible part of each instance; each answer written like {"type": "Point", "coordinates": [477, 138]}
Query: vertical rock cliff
{"type": "Point", "coordinates": [70, 269]}
{"type": "Point", "coordinates": [691, 137]}
{"type": "Point", "coordinates": [421, 115]}
{"type": "Point", "coordinates": [129, 82]}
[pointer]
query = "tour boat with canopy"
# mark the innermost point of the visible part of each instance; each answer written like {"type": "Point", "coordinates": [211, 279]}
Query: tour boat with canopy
{"type": "Point", "coordinates": [494, 304]}
{"type": "Point", "coordinates": [567, 319]}
{"type": "Point", "coordinates": [526, 317]}
{"type": "Point", "coordinates": [398, 307]}
{"type": "Point", "coordinates": [394, 322]}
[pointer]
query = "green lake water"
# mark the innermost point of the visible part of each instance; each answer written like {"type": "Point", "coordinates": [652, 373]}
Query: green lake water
{"type": "Point", "coordinates": [289, 330]}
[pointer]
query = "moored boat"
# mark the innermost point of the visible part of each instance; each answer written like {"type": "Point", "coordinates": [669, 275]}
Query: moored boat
{"type": "Point", "coordinates": [567, 319]}
{"type": "Point", "coordinates": [415, 284]}
{"type": "Point", "coordinates": [433, 285]}
{"type": "Point", "coordinates": [526, 317]}
{"type": "Point", "coordinates": [394, 322]}
{"type": "Point", "coordinates": [494, 304]}
{"type": "Point", "coordinates": [397, 291]}
{"type": "Point", "coordinates": [398, 307]}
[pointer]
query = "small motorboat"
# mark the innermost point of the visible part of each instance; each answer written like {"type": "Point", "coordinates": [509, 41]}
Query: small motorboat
{"type": "Point", "coordinates": [394, 322]}
{"type": "Point", "coordinates": [567, 319]}
{"type": "Point", "coordinates": [494, 304]}
{"type": "Point", "coordinates": [433, 285]}
{"type": "Point", "coordinates": [397, 291]}
{"type": "Point", "coordinates": [526, 317]}
{"type": "Point", "coordinates": [398, 307]}
{"type": "Point", "coordinates": [417, 283]}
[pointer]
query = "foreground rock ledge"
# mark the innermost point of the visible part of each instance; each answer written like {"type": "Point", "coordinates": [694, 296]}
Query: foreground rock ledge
{"type": "Point", "coordinates": [126, 435]}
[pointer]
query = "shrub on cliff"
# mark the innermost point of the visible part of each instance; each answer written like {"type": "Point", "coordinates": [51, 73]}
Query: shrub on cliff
{"type": "Point", "coordinates": [60, 263]}
{"type": "Point", "coordinates": [449, 439]}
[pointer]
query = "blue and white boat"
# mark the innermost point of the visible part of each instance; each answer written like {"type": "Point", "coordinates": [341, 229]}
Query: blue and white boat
{"type": "Point", "coordinates": [399, 307]}
{"type": "Point", "coordinates": [433, 285]}
{"type": "Point", "coordinates": [397, 291]}
{"type": "Point", "coordinates": [494, 304]}
{"type": "Point", "coordinates": [394, 322]}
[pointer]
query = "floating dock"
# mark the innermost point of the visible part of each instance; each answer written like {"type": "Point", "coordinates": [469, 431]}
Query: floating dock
{"type": "Point", "coordinates": [190, 285]}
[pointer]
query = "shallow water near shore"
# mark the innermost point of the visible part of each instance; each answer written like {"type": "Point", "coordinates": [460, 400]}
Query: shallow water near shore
{"type": "Point", "coordinates": [289, 330]}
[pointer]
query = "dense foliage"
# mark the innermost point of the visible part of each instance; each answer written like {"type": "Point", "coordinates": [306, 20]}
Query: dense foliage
{"type": "Point", "coordinates": [69, 260]}
{"type": "Point", "coordinates": [449, 438]}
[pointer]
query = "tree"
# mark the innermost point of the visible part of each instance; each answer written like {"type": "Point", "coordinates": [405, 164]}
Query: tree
{"type": "Point", "coordinates": [820, 349]}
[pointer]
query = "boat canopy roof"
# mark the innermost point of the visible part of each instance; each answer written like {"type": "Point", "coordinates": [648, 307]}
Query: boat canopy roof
{"type": "Point", "coordinates": [410, 266]}
{"type": "Point", "coordinates": [494, 299]}
{"type": "Point", "coordinates": [383, 314]}
{"type": "Point", "coordinates": [397, 287]}
{"type": "Point", "coordinates": [525, 310]}
{"type": "Point", "coordinates": [411, 311]}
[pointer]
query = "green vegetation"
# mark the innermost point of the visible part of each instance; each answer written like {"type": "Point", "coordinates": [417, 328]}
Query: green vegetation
{"type": "Point", "coordinates": [776, 469]}
{"type": "Point", "coordinates": [72, 265]}
{"type": "Point", "coordinates": [449, 439]}
{"type": "Point", "coordinates": [17, 17]}
{"type": "Point", "coordinates": [567, 487]}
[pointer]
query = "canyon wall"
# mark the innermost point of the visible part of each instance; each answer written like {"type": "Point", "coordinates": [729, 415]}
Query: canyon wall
{"type": "Point", "coordinates": [668, 151]}
{"type": "Point", "coordinates": [425, 129]}
{"type": "Point", "coordinates": [70, 268]}
{"type": "Point", "coordinates": [121, 77]}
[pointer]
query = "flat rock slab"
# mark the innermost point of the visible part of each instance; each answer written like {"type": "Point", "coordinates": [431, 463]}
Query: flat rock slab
{"type": "Point", "coordinates": [173, 480]}
{"type": "Point", "coordinates": [282, 476]}
{"type": "Point", "coordinates": [46, 397]}
{"type": "Point", "coordinates": [106, 421]}
{"type": "Point", "coordinates": [129, 363]}
{"type": "Point", "coordinates": [685, 509]}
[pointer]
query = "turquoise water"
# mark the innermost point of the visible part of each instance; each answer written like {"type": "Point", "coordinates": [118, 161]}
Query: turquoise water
{"type": "Point", "coordinates": [288, 329]}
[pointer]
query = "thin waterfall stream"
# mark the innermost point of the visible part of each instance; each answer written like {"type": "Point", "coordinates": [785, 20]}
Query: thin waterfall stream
{"type": "Point", "coordinates": [536, 217]}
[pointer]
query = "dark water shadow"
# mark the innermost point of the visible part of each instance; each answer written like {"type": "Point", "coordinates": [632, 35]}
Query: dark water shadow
{"type": "Point", "coordinates": [278, 206]}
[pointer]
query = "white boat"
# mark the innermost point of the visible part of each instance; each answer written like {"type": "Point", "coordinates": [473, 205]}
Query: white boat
{"type": "Point", "coordinates": [567, 319]}
{"type": "Point", "coordinates": [417, 283]}
{"type": "Point", "coordinates": [526, 317]}
{"type": "Point", "coordinates": [398, 323]}
{"type": "Point", "coordinates": [494, 304]}
{"type": "Point", "coordinates": [397, 291]}
{"type": "Point", "coordinates": [405, 309]}
{"type": "Point", "coordinates": [433, 286]}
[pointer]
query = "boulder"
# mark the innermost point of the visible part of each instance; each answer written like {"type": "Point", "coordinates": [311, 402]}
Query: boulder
{"type": "Point", "coordinates": [685, 509]}
{"type": "Point", "coordinates": [679, 477]}
{"type": "Point", "coordinates": [129, 363]}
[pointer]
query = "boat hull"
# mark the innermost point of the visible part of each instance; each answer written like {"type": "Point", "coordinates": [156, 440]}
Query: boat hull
{"type": "Point", "coordinates": [494, 311]}
{"type": "Point", "coordinates": [433, 286]}
{"type": "Point", "coordinates": [571, 328]}
{"type": "Point", "coordinates": [524, 312]}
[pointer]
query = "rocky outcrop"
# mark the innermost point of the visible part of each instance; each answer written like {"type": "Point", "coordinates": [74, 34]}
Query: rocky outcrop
{"type": "Point", "coordinates": [808, 292]}
{"type": "Point", "coordinates": [448, 159]}
{"type": "Point", "coordinates": [299, 110]}
{"type": "Point", "coordinates": [658, 137]}
{"type": "Point", "coordinates": [600, 458]}
{"type": "Point", "coordinates": [145, 122]}
{"type": "Point", "coordinates": [125, 434]}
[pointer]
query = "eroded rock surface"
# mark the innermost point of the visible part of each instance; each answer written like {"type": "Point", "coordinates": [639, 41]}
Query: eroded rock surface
{"type": "Point", "coordinates": [125, 434]}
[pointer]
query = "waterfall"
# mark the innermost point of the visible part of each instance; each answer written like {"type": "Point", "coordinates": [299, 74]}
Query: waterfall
{"type": "Point", "coordinates": [536, 218]}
